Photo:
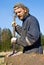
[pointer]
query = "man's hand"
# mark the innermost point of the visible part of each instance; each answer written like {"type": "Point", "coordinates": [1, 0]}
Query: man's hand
{"type": "Point", "coordinates": [14, 24]}
{"type": "Point", "coordinates": [13, 40]}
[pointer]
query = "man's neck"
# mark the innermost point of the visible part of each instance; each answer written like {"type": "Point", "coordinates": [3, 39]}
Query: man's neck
{"type": "Point", "coordinates": [25, 17]}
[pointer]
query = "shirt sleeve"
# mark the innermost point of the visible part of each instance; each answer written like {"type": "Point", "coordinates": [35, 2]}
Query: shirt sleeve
{"type": "Point", "coordinates": [33, 31]}
{"type": "Point", "coordinates": [18, 29]}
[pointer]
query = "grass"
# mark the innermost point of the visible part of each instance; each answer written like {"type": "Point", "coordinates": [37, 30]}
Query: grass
{"type": "Point", "coordinates": [2, 56]}
{"type": "Point", "coordinates": [2, 61]}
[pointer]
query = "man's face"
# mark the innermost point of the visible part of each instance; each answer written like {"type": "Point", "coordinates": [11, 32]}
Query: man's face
{"type": "Point", "coordinates": [20, 12]}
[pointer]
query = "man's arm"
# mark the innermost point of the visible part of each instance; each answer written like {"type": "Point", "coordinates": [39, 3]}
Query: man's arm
{"type": "Point", "coordinates": [32, 35]}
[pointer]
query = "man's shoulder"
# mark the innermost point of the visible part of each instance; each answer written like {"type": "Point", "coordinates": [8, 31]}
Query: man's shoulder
{"type": "Point", "coordinates": [31, 18]}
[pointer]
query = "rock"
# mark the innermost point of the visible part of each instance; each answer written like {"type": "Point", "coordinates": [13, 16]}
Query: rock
{"type": "Point", "coordinates": [25, 59]}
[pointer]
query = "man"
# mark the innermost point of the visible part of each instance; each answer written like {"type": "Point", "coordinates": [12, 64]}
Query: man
{"type": "Point", "coordinates": [30, 36]}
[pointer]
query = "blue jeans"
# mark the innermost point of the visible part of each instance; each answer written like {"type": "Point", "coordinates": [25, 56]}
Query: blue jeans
{"type": "Point", "coordinates": [35, 50]}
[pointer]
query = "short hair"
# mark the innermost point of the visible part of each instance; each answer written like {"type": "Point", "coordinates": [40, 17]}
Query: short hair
{"type": "Point", "coordinates": [20, 5]}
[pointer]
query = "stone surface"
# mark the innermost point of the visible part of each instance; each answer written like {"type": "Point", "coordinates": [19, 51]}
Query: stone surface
{"type": "Point", "coordinates": [25, 59]}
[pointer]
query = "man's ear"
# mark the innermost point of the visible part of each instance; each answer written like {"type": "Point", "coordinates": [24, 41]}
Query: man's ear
{"type": "Point", "coordinates": [25, 11]}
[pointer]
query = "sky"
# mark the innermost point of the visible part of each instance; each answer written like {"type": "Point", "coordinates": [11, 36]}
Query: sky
{"type": "Point", "coordinates": [36, 8]}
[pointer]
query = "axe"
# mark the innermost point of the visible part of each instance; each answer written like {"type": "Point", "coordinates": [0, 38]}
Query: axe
{"type": "Point", "coordinates": [14, 34]}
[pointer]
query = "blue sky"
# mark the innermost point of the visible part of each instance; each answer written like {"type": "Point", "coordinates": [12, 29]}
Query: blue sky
{"type": "Point", "coordinates": [36, 8]}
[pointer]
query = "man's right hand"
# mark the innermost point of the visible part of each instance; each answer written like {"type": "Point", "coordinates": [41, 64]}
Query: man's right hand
{"type": "Point", "coordinates": [13, 40]}
{"type": "Point", "coordinates": [14, 24]}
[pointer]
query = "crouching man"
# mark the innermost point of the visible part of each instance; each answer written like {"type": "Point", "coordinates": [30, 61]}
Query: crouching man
{"type": "Point", "coordinates": [30, 35]}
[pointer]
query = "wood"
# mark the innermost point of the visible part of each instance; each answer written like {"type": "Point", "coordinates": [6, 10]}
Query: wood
{"type": "Point", "coordinates": [25, 59]}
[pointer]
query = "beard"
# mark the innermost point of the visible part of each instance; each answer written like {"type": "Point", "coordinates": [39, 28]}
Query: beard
{"type": "Point", "coordinates": [20, 17]}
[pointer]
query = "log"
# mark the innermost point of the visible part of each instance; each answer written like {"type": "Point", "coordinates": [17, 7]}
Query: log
{"type": "Point", "coordinates": [25, 59]}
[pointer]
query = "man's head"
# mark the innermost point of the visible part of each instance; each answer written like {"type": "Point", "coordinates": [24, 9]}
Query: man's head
{"type": "Point", "coordinates": [21, 10]}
